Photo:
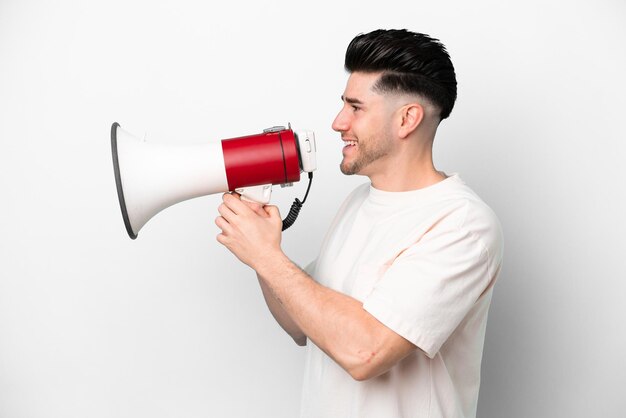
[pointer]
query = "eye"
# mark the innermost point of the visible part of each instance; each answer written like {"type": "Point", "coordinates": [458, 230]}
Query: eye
{"type": "Point", "coordinates": [355, 108]}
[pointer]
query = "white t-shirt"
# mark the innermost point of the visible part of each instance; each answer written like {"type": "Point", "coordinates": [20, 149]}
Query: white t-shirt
{"type": "Point", "coordinates": [423, 263]}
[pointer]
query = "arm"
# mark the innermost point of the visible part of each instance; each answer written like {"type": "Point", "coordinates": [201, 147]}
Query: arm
{"type": "Point", "coordinates": [336, 323]}
{"type": "Point", "coordinates": [280, 315]}
{"type": "Point", "coordinates": [277, 311]}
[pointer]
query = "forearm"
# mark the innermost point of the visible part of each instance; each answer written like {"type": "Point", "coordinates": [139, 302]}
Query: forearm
{"type": "Point", "coordinates": [280, 315]}
{"type": "Point", "coordinates": [335, 322]}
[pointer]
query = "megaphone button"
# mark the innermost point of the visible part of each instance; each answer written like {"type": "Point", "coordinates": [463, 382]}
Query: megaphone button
{"type": "Point", "coordinates": [273, 129]}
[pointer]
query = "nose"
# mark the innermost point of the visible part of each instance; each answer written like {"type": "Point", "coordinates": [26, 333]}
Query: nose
{"type": "Point", "coordinates": [341, 122]}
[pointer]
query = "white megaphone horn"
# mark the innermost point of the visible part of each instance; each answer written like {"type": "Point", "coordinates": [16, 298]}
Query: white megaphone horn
{"type": "Point", "coordinates": [152, 177]}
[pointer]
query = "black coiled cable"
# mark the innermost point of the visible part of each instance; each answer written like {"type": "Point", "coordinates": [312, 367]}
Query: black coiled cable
{"type": "Point", "coordinates": [294, 211]}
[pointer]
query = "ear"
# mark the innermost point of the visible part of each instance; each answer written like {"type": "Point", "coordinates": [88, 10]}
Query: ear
{"type": "Point", "coordinates": [411, 115]}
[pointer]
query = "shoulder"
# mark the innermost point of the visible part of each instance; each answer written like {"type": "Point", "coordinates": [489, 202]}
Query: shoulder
{"type": "Point", "coordinates": [453, 213]}
{"type": "Point", "coordinates": [478, 220]}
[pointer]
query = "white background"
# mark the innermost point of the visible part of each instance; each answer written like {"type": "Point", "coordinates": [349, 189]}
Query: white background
{"type": "Point", "coordinates": [93, 324]}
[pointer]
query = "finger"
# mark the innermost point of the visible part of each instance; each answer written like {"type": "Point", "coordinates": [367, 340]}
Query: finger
{"type": "Point", "coordinates": [226, 212]}
{"type": "Point", "coordinates": [256, 208]}
{"type": "Point", "coordinates": [274, 215]}
{"type": "Point", "coordinates": [223, 225]}
{"type": "Point", "coordinates": [222, 239]}
{"type": "Point", "coordinates": [252, 205]}
{"type": "Point", "coordinates": [235, 204]}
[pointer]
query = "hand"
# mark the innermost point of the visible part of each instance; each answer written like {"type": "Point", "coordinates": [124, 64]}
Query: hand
{"type": "Point", "coordinates": [255, 206]}
{"type": "Point", "coordinates": [250, 231]}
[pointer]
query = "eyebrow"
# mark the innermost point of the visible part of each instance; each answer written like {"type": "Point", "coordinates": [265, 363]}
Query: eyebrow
{"type": "Point", "coordinates": [351, 100]}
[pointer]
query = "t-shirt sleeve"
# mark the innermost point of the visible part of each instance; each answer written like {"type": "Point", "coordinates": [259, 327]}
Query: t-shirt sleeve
{"type": "Point", "coordinates": [431, 286]}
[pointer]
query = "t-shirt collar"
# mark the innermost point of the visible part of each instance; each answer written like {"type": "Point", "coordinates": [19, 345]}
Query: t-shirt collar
{"type": "Point", "coordinates": [392, 198]}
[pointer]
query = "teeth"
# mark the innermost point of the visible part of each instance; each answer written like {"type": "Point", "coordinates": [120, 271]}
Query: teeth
{"type": "Point", "coordinates": [350, 142]}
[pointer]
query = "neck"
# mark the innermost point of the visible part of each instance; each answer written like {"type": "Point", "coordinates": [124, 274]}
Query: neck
{"type": "Point", "coordinates": [410, 167]}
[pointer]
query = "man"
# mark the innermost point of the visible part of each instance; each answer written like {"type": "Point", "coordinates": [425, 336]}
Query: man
{"type": "Point", "coordinates": [394, 310]}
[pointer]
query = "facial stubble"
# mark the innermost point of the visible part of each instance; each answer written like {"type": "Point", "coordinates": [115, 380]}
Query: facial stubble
{"type": "Point", "coordinates": [368, 151]}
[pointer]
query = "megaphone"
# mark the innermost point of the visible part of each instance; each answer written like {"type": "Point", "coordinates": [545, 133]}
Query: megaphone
{"type": "Point", "coordinates": [151, 177]}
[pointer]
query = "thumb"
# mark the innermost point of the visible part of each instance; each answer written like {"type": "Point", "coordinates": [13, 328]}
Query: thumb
{"type": "Point", "coordinates": [272, 211]}
{"type": "Point", "coordinates": [256, 207]}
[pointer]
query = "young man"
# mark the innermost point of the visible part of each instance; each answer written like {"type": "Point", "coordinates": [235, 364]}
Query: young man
{"type": "Point", "coordinates": [394, 310]}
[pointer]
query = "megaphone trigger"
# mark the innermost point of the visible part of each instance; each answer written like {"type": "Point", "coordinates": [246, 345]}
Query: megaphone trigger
{"type": "Point", "coordinates": [259, 194]}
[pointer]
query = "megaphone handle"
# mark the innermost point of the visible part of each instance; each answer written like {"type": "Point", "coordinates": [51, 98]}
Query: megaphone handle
{"type": "Point", "coordinates": [259, 194]}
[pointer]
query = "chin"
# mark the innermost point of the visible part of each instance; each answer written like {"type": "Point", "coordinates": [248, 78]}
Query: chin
{"type": "Point", "coordinates": [348, 170]}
